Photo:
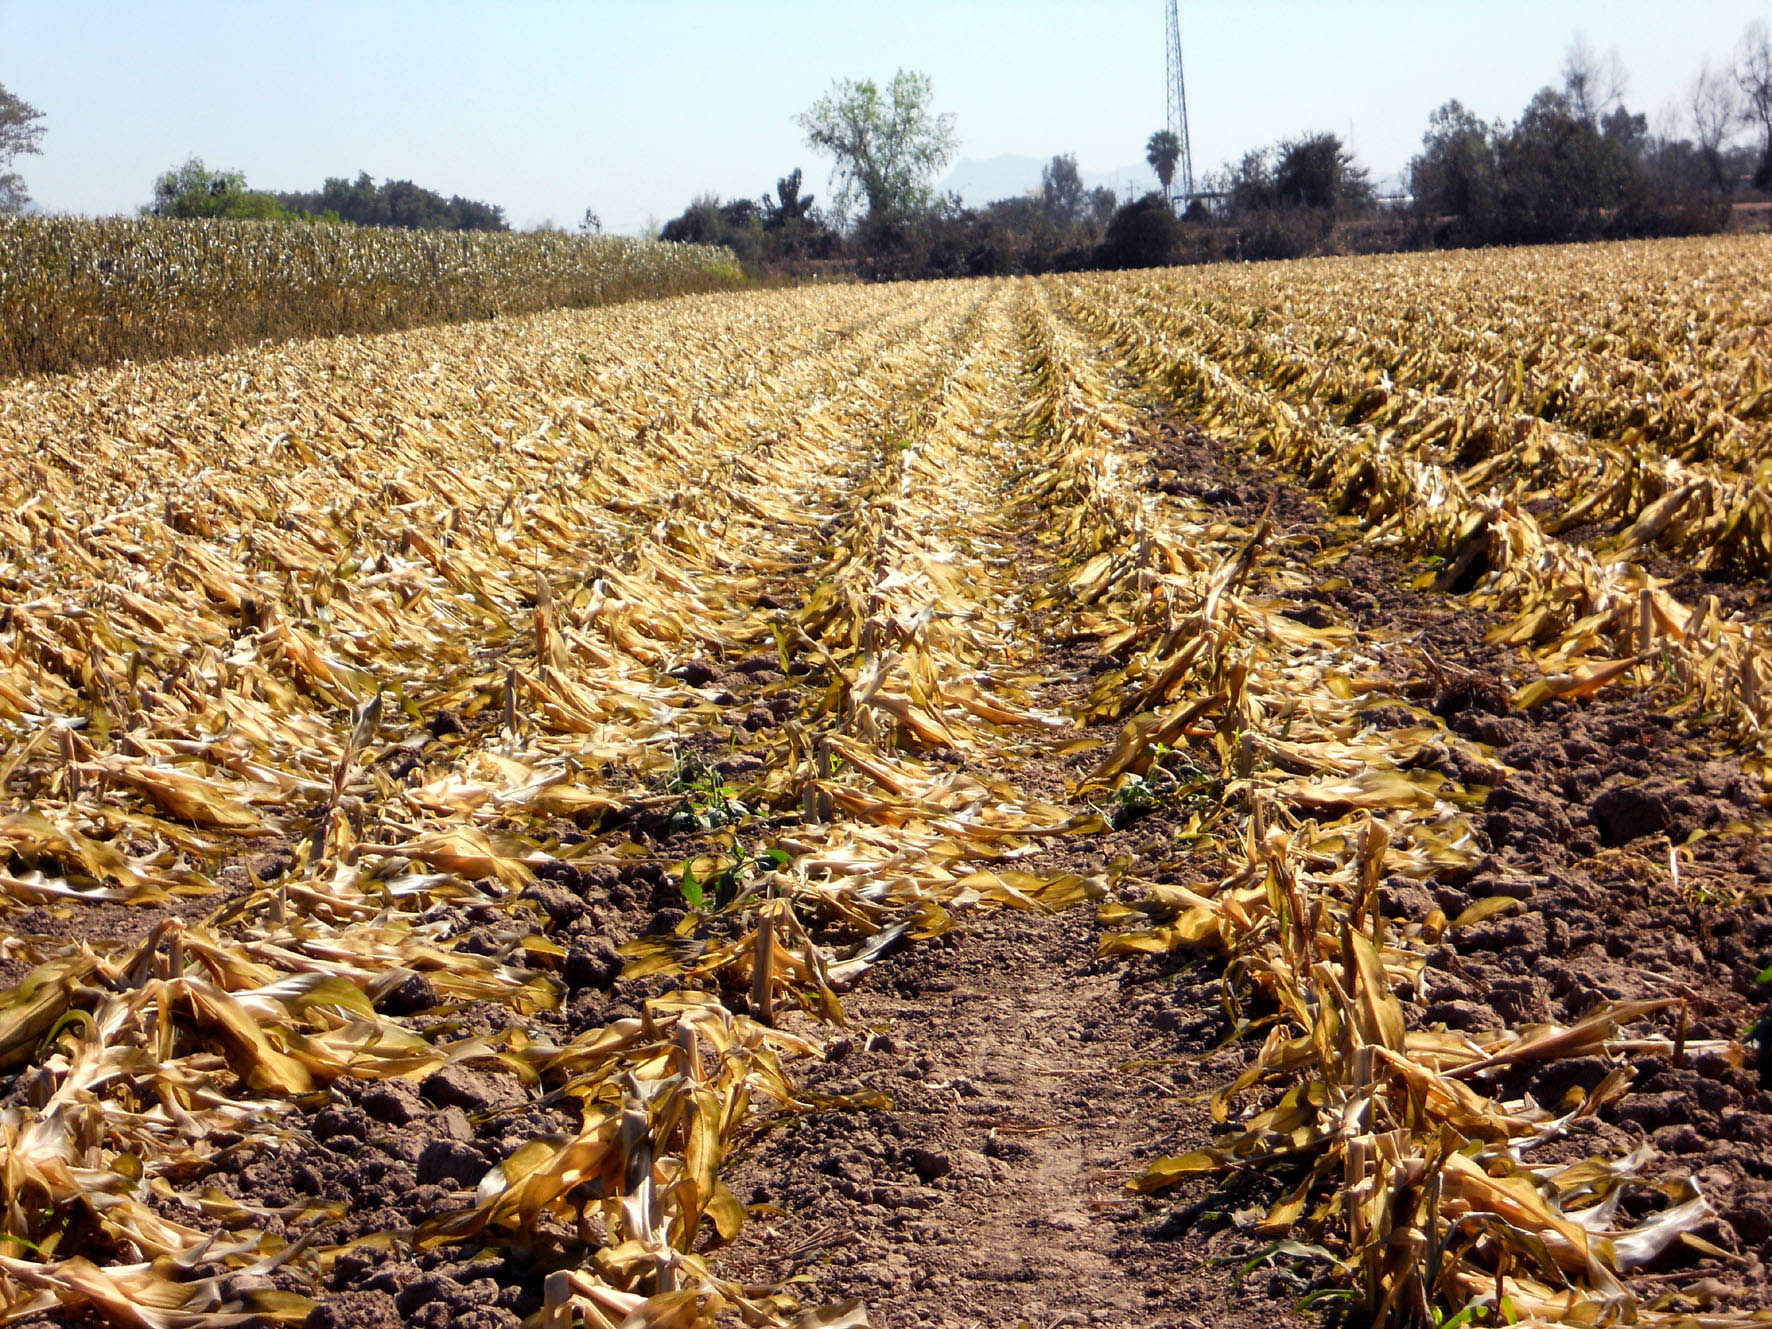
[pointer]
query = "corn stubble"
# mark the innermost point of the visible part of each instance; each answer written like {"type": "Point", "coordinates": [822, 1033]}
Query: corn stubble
{"type": "Point", "coordinates": [238, 590]}
{"type": "Point", "coordinates": [1404, 1172]}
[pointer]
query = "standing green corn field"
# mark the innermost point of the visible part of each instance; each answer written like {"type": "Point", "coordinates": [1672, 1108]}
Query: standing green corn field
{"type": "Point", "coordinates": [76, 293]}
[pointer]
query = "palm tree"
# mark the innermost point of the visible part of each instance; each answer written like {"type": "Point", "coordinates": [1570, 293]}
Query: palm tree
{"type": "Point", "coordinates": [1162, 152]}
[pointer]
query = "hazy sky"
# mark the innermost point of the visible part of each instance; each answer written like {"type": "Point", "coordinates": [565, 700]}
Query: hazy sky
{"type": "Point", "coordinates": [631, 108]}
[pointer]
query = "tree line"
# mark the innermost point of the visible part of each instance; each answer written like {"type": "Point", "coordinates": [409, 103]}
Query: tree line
{"type": "Point", "coordinates": [1580, 164]}
{"type": "Point", "coordinates": [1576, 164]}
{"type": "Point", "coordinates": [194, 190]}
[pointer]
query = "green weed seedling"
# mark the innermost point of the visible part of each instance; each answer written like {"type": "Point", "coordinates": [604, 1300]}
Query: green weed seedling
{"type": "Point", "coordinates": [709, 802]}
{"type": "Point", "coordinates": [731, 880]}
{"type": "Point", "coordinates": [1174, 781]}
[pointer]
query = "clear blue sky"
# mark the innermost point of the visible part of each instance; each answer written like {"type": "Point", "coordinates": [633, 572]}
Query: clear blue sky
{"type": "Point", "coordinates": [548, 107]}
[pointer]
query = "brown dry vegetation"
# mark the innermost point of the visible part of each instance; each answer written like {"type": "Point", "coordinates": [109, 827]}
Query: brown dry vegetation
{"type": "Point", "coordinates": [470, 793]}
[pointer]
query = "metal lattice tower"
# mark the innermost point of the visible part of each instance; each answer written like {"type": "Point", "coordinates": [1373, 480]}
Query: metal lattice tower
{"type": "Point", "coordinates": [1183, 185]}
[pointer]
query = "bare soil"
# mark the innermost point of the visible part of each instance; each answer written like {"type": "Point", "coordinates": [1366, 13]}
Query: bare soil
{"type": "Point", "coordinates": [1027, 1082]}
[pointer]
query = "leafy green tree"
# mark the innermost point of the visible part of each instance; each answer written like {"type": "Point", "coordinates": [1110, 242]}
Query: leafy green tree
{"type": "Point", "coordinates": [1560, 173]}
{"type": "Point", "coordinates": [706, 221]}
{"type": "Point", "coordinates": [1627, 131]}
{"type": "Point", "coordinates": [394, 203]}
{"type": "Point", "coordinates": [1143, 234]}
{"type": "Point", "coordinates": [1317, 172]}
{"type": "Point", "coordinates": [1101, 204]}
{"type": "Point", "coordinates": [1163, 150]}
{"type": "Point", "coordinates": [20, 135]}
{"type": "Point", "coordinates": [1248, 186]}
{"type": "Point", "coordinates": [1454, 177]}
{"type": "Point", "coordinates": [193, 190]}
{"type": "Point", "coordinates": [399, 203]}
{"type": "Point", "coordinates": [887, 144]}
{"type": "Point", "coordinates": [1680, 167]}
{"type": "Point", "coordinates": [1062, 195]}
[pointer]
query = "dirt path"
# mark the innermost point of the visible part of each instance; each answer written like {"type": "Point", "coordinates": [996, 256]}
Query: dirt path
{"type": "Point", "coordinates": [1026, 1083]}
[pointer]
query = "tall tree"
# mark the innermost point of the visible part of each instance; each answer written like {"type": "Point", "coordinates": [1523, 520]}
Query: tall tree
{"type": "Point", "coordinates": [1317, 172]}
{"type": "Point", "coordinates": [1143, 234]}
{"type": "Point", "coordinates": [1715, 108]}
{"type": "Point", "coordinates": [1163, 150]}
{"type": "Point", "coordinates": [193, 190]}
{"type": "Point", "coordinates": [887, 144]}
{"type": "Point", "coordinates": [1248, 186]}
{"type": "Point", "coordinates": [20, 135]}
{"type": "Point", "coordinates": [1561, 175]}
{"type": "Point", "coordinates": [1454, 177]}
{"type": "Point", "coordinates": [1100, 206]}
{"type": "Point", "coordinates": [1753, 74]}
{"type": "Point", "coordinates": [1062, 195]}
{"type": "Point", "coordinates": [789, 205]}
{"type": "Point", "coordinates": [1593, 83]}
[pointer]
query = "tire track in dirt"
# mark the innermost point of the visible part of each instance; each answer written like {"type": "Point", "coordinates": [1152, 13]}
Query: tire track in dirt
{"type": "Point", "coordinates": [994, 1191]}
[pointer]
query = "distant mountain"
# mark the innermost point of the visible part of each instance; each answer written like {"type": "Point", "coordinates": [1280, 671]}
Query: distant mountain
{"type": "Point", "coordinates": [979, 180]}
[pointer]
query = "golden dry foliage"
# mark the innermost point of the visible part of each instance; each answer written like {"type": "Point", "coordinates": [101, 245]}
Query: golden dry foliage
{"type": "Point", "coordinates": [238, 591]}
{"type": "Point", "coordinates": [76, 293]}
{"type": "Point", "coordinates": [1345, 373]}
{"type": "Point", "coordinates": [1402, 1168]}
{"type": "Point", "coordinates": [232, 615]}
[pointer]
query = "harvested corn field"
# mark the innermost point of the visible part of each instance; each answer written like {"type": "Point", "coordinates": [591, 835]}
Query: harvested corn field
{"type": "Point", "coordinates": [1226, 795]}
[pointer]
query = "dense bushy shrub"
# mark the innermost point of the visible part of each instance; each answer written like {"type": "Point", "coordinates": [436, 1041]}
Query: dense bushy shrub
{"type": "Point", "coordinates": [1143, 234]}
{"type": "Point", "coordinates": [1558, 173]}
{"type": "Point", "coordinates": [396, 203]}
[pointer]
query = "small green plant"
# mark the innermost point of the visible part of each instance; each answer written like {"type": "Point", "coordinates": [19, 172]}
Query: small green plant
{"type": "Point", "coordinates": [1760, 1034]}
{"type": "Point", "coordinates": [693, 894]}
{"type": "Point", "coordinates": [1174, 780]}
{"type": "Point", "coordinates": [1136, 797]}
{"type": "Point", "coordinates": [731, 879]}
{"type": "Point", "coordinates": [708, 801]}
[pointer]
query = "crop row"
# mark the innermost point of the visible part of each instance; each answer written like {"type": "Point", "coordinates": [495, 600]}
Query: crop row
{"type": "Point", "coordinates": [1590, 619]}
{"type": "Point", "coordinates": [1398, 1157]}
{"type": "Point", "coordinates": [1576, 411]}
{"type": "Point", "coordinates": [190, 671]}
